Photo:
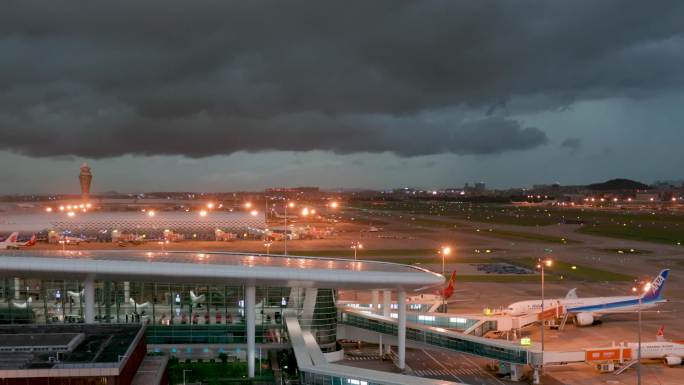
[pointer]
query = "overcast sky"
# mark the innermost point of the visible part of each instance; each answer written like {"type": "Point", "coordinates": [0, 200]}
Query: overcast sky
{"type": "Point", "coordinates": [172, 95]}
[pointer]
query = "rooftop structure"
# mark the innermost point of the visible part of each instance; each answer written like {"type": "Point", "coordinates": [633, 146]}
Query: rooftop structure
{"type": "Point", "coordinates": [107, 354]}
{"type": "Point", "coordinates": [217, 267]}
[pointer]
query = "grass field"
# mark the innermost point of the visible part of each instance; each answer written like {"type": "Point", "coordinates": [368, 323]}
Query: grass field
{"type": "Point", "coordinates": [483, 213]}
{"type": "Point", "coordinates": [624, 251]}
{"type": "Point", "coordinates": [579, 272]}
{"type": "Point", "coordinates": [668, 233]}
{"type": "Point", "coordinates": [639, 225]}
{"type": "Point", "coordinates": [524, 236]}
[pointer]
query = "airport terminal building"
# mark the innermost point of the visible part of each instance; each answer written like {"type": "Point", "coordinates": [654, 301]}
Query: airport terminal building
{"type": "Point", "coordinates": [105, 225]}
{"type": "Point", "coordinates": [238, 304]}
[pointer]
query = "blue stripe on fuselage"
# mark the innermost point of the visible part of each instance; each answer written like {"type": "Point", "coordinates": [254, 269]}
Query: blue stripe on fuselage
{"type": "Point", "coordinates": [612, 305]}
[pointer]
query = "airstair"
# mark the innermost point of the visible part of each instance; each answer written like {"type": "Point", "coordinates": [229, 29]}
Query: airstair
{"type": "Point", "coordinates": [626, 366]}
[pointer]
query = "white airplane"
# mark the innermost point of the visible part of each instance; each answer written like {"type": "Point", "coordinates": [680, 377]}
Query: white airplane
{"type": "Point", "coordinates": [23, 305]}
{"type": "Point", "coordinates": [75, 295]}
{"type": "Point", "coordinates": [10, 242]}
{"type": "Point", "coordinates": [137, 305]}
{"type": "Point", "coordinates": [196, 299]}
{"type": "Point", "coordinates": [587, 310]}
{"type": "Point", "coordinates": [21, 245]}
{"type": "Point", "coordinates": [671, 352]}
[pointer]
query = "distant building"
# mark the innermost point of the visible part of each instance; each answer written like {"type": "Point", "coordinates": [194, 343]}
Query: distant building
{"type": "Point", "coordinates": [293, 190]}
{"type": "Point", "coordinates": [477, 188]}
{"type": "Point", "coordinates": [646, 197]}
{"type": "Point", "coordinates": [102, 224]}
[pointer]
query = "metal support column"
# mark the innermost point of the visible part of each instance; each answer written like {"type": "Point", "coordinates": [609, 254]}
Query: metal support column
{"type": "Point", "coordinates": [250, 299]}
{"type": "Point", "coordinates": [375, 295]}
{"type": "Point", "coordinates": [89, 297]}
{"type": "Point", "coordinates": [386, 308]}
{"type": "Point", "coordinates": [401, 333]}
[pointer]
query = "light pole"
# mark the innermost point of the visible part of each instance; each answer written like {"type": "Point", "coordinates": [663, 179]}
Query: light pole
{"type": "Point", "coordinates": [356, 245]}
{"type": "Point", "coordinates": [287, 204]}
{"type": "Point", "coordinates": [332, 205]}
{"type": "Point", "coordinates": [444, 251]}
{"type": "Point", "coordinates": [541, 263]}
{"type": "Point", "coordinates": [647, 287]}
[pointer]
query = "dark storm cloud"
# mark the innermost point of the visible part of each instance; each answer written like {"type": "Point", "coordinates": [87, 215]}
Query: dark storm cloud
{"type": "Point", "coordinates": [573, 144]}
{"type": "Point", "coordinates": [160, 77]}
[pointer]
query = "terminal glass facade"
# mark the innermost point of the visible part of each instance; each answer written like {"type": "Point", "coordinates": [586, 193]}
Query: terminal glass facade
{"type": "Point", "coordinates": [176, 313]}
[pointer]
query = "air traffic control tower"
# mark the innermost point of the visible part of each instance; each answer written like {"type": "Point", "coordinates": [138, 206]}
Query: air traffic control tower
{"type": "Point", "coordinates": [85, 177]}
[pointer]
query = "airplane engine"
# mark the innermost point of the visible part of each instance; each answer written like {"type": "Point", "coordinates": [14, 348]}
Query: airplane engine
{"type": "Point", "coordinates": [673, 360]}
{"type": "Point", "coordinates": [584, 319]}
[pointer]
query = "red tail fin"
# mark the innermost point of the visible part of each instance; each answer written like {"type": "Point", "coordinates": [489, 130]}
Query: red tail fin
{"type": "Point", "coordinates": [31, 241]}
{"type": "Point", "coordinates": [449, 290]}
{"type": "Point", "coordinates": [661, 333]}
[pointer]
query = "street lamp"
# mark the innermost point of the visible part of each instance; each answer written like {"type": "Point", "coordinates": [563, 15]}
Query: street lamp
{"type": "Point", "coordinates": [444, 251]}
{"type": "Point", "coordinates": [541, 263]}
{"type": "Point", "coordinates": [356, 245]}
{"type": "Point", "coordinates": [290, 205]}
{"type": "Point", "coordinates": [646, 288]}
{"type": "Point", "coordinates": [151, 213]}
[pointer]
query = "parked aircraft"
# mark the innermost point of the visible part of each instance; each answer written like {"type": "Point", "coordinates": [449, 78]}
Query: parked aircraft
{"type": "Point", "coordinates": [10, 241]}
{"type": "Point", "coordinates": [671, 352]}
{"type": "Point", "coordinates": [587, 310]}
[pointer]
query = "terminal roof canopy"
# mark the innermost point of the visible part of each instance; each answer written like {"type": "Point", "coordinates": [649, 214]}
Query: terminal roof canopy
{"type": "Point", "coordinates": [219, 268]}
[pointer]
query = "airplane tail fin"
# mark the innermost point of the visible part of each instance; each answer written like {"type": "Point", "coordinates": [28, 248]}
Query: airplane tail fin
{"type": "Point", "coordinates": [657, 285]}
{"type": "Point", "coordinates": [452, 279]}
{"type": "Point", "coordinates": [12, 237]}
{"type": "Point", "coordinates": [572, 294]}
{"type": "Point", "coordinates": [449, 289]}
{"type": "Point", "coordinates": [661, 334]}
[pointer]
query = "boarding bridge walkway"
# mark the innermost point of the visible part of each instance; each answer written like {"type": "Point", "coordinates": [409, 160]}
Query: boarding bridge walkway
{"type": "Point", "coordinates": [355, 323]}
{"type": "Point", "coordinates": [473, 324]}
{"type": "Point", "coordinates": [315, 368]}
